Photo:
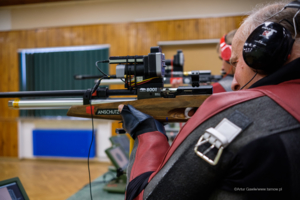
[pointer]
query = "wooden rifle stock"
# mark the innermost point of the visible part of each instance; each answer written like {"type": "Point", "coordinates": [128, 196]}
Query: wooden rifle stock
{"type": "Point", "coordinates": [162, 109]}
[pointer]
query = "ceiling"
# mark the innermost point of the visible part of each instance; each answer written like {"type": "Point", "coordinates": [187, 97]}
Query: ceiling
{"type": "Point", "coordinates": [24, 2]}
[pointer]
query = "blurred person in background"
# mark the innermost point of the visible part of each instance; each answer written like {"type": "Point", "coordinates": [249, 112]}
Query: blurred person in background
{"type": "Point", "coordinates": [224, 51]}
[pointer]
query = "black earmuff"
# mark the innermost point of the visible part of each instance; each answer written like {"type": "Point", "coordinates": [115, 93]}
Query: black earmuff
{"type": "Point", "coordinates": [268, 47]}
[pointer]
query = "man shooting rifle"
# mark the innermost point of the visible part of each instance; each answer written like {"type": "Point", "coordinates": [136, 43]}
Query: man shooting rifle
{"type": "Point", "coordinates": [238, 145]}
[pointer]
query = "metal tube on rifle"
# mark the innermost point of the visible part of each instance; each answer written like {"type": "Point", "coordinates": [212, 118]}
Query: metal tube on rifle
{"type": "Point", "coordinates": [42, 93]}
{"type": "Point", "coordinates": [111, 82]}
{"type": "Point", "coordinates": [103, 81]}
{"type": "Point", "coordinates": [58, 103]}
{"type": "Point", "coordinates": [59, 93]}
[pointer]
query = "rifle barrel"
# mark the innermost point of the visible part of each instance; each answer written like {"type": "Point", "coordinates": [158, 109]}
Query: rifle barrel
{"type": "Point", "coordinates": [59, 93]}
{"type": "Point", "coordinates": [52, 93]}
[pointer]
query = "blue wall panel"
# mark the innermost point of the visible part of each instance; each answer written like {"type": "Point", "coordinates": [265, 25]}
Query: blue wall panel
{"type": "Point", "coordinates": [63, 143]}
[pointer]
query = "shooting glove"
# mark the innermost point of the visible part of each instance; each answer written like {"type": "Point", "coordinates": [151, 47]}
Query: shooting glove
{"type": "Point", "coordinates": [135, 122]}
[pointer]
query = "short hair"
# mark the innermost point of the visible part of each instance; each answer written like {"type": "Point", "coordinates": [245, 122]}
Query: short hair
{"type": "Point", "coordinates": [229, 37]}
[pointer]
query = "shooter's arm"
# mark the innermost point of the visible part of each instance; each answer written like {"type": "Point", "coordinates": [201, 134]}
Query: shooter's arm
{"type": "Point", "coordinates": [149, 149]}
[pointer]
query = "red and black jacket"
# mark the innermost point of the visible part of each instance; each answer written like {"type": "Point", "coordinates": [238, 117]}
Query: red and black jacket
{"type": "Point", "coordinates": [153, 150]}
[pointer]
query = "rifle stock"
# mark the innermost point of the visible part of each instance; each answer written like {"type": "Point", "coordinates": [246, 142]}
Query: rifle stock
{"type": "Point", "coordinates": [162, 109]}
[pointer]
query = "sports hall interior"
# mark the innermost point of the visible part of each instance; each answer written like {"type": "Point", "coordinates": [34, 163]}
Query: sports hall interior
{"type": "Point", "coordinates": [125, 27]}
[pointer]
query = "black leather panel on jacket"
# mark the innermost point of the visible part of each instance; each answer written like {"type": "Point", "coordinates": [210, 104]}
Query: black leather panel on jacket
{"type": "Point", "coordinates": [187, 176]}
{"type": "Point", "coordinates": [260, 169]}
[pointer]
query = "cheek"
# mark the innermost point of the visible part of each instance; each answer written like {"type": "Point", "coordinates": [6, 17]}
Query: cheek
{"type": "Point", "coordinates": [240, 74]}
{"type": "Point", "coordinates": [227, 66]}
{"type": "Point", "coordinates": [223, 64]}
{"type": "Point", "coordinates": [237, 73]}
{"type": "Point", "coordinates": [241, 68]}
{"type": "Point", "coordinates": [242, 64]}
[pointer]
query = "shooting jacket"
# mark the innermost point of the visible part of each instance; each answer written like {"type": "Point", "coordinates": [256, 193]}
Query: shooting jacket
{"type": "Point", "coordinates": [223, 85]}
{"type": "Point", "coordinates": [262, 162]}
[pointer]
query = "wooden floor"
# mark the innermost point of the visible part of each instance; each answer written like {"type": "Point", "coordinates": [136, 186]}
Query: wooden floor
{"type": "Point", "coordinates": [50, 180]}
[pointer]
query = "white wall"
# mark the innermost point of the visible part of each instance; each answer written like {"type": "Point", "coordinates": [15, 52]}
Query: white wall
{"type": "Point", "coordinates": [114, 11]}
{"type": "Point", "coordinates": [5, 20]}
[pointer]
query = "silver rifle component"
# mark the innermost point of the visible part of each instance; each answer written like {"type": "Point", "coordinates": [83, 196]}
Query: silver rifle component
{"type": "Point", "coordinates": [58, 103]}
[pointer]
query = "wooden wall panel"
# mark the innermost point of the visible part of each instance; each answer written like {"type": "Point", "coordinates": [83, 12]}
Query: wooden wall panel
{"type": "Point", "coordinates": [78, 35]}
{"type": "Point", "coordinates": [100, 39]}
{"type": "Point", "coordinates": [9, 69]}
{"type": "Point", "coordinates": [193, 29]}
{"type": "Point", "coordinates": [64, 36]}
{"type": "Point", "coordinates": [91, 37]}
{"type": "Point", "coordinates": [40, 38]}
{"type": "Point", "coordinates": [197, 57]}
{"type": "Point", "coordinates": [8, 82]}
{"type": "Point", "coordinates": [3, 71]}
{"type": "Point", "coordinates": [8, 138]}
{"type": "Point", "coordinates": [124, 39]}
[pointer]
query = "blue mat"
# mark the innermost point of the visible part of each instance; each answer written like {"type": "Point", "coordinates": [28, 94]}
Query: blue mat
{"type": "Point", "coordinates": [97, 191]}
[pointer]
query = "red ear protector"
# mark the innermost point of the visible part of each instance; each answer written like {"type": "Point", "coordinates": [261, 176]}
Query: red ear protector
{"type": "Point", "coordinates": [225, 49]}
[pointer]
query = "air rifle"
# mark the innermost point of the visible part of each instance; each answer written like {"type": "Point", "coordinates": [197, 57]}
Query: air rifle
{"type": "Point", "coordinates": [143, 78]}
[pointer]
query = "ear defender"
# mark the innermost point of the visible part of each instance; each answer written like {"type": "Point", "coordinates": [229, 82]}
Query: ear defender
{"type": "Point", "coordinates": [225, 49]}
{"type": "Point", "coordinates": [268, 47]}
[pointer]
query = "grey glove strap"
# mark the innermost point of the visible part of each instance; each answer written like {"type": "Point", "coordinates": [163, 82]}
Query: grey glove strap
{"type": "Point", "coordinates": [132, 118]}
{"type": "Point", "coordinates": [222, 135]}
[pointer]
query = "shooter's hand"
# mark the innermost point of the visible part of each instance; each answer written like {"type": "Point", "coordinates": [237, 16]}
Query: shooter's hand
{"type": "Point", "coordinates": [136, 123]}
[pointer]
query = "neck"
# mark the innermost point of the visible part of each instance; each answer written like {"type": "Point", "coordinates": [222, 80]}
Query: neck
{"type": "Point", "coordinates": [295, 53]}
{"type": "Point", "coordinates": [290, 71]}
{"type": "Point", "coordinates": [256, 77]}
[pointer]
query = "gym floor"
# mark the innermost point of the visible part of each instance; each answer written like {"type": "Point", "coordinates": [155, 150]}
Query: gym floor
{"type": "Point", "coordinates": [51, 179]}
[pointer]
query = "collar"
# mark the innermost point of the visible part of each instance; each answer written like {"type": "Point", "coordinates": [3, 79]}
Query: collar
{"type": "Point", "coordinates": [288, 72]}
